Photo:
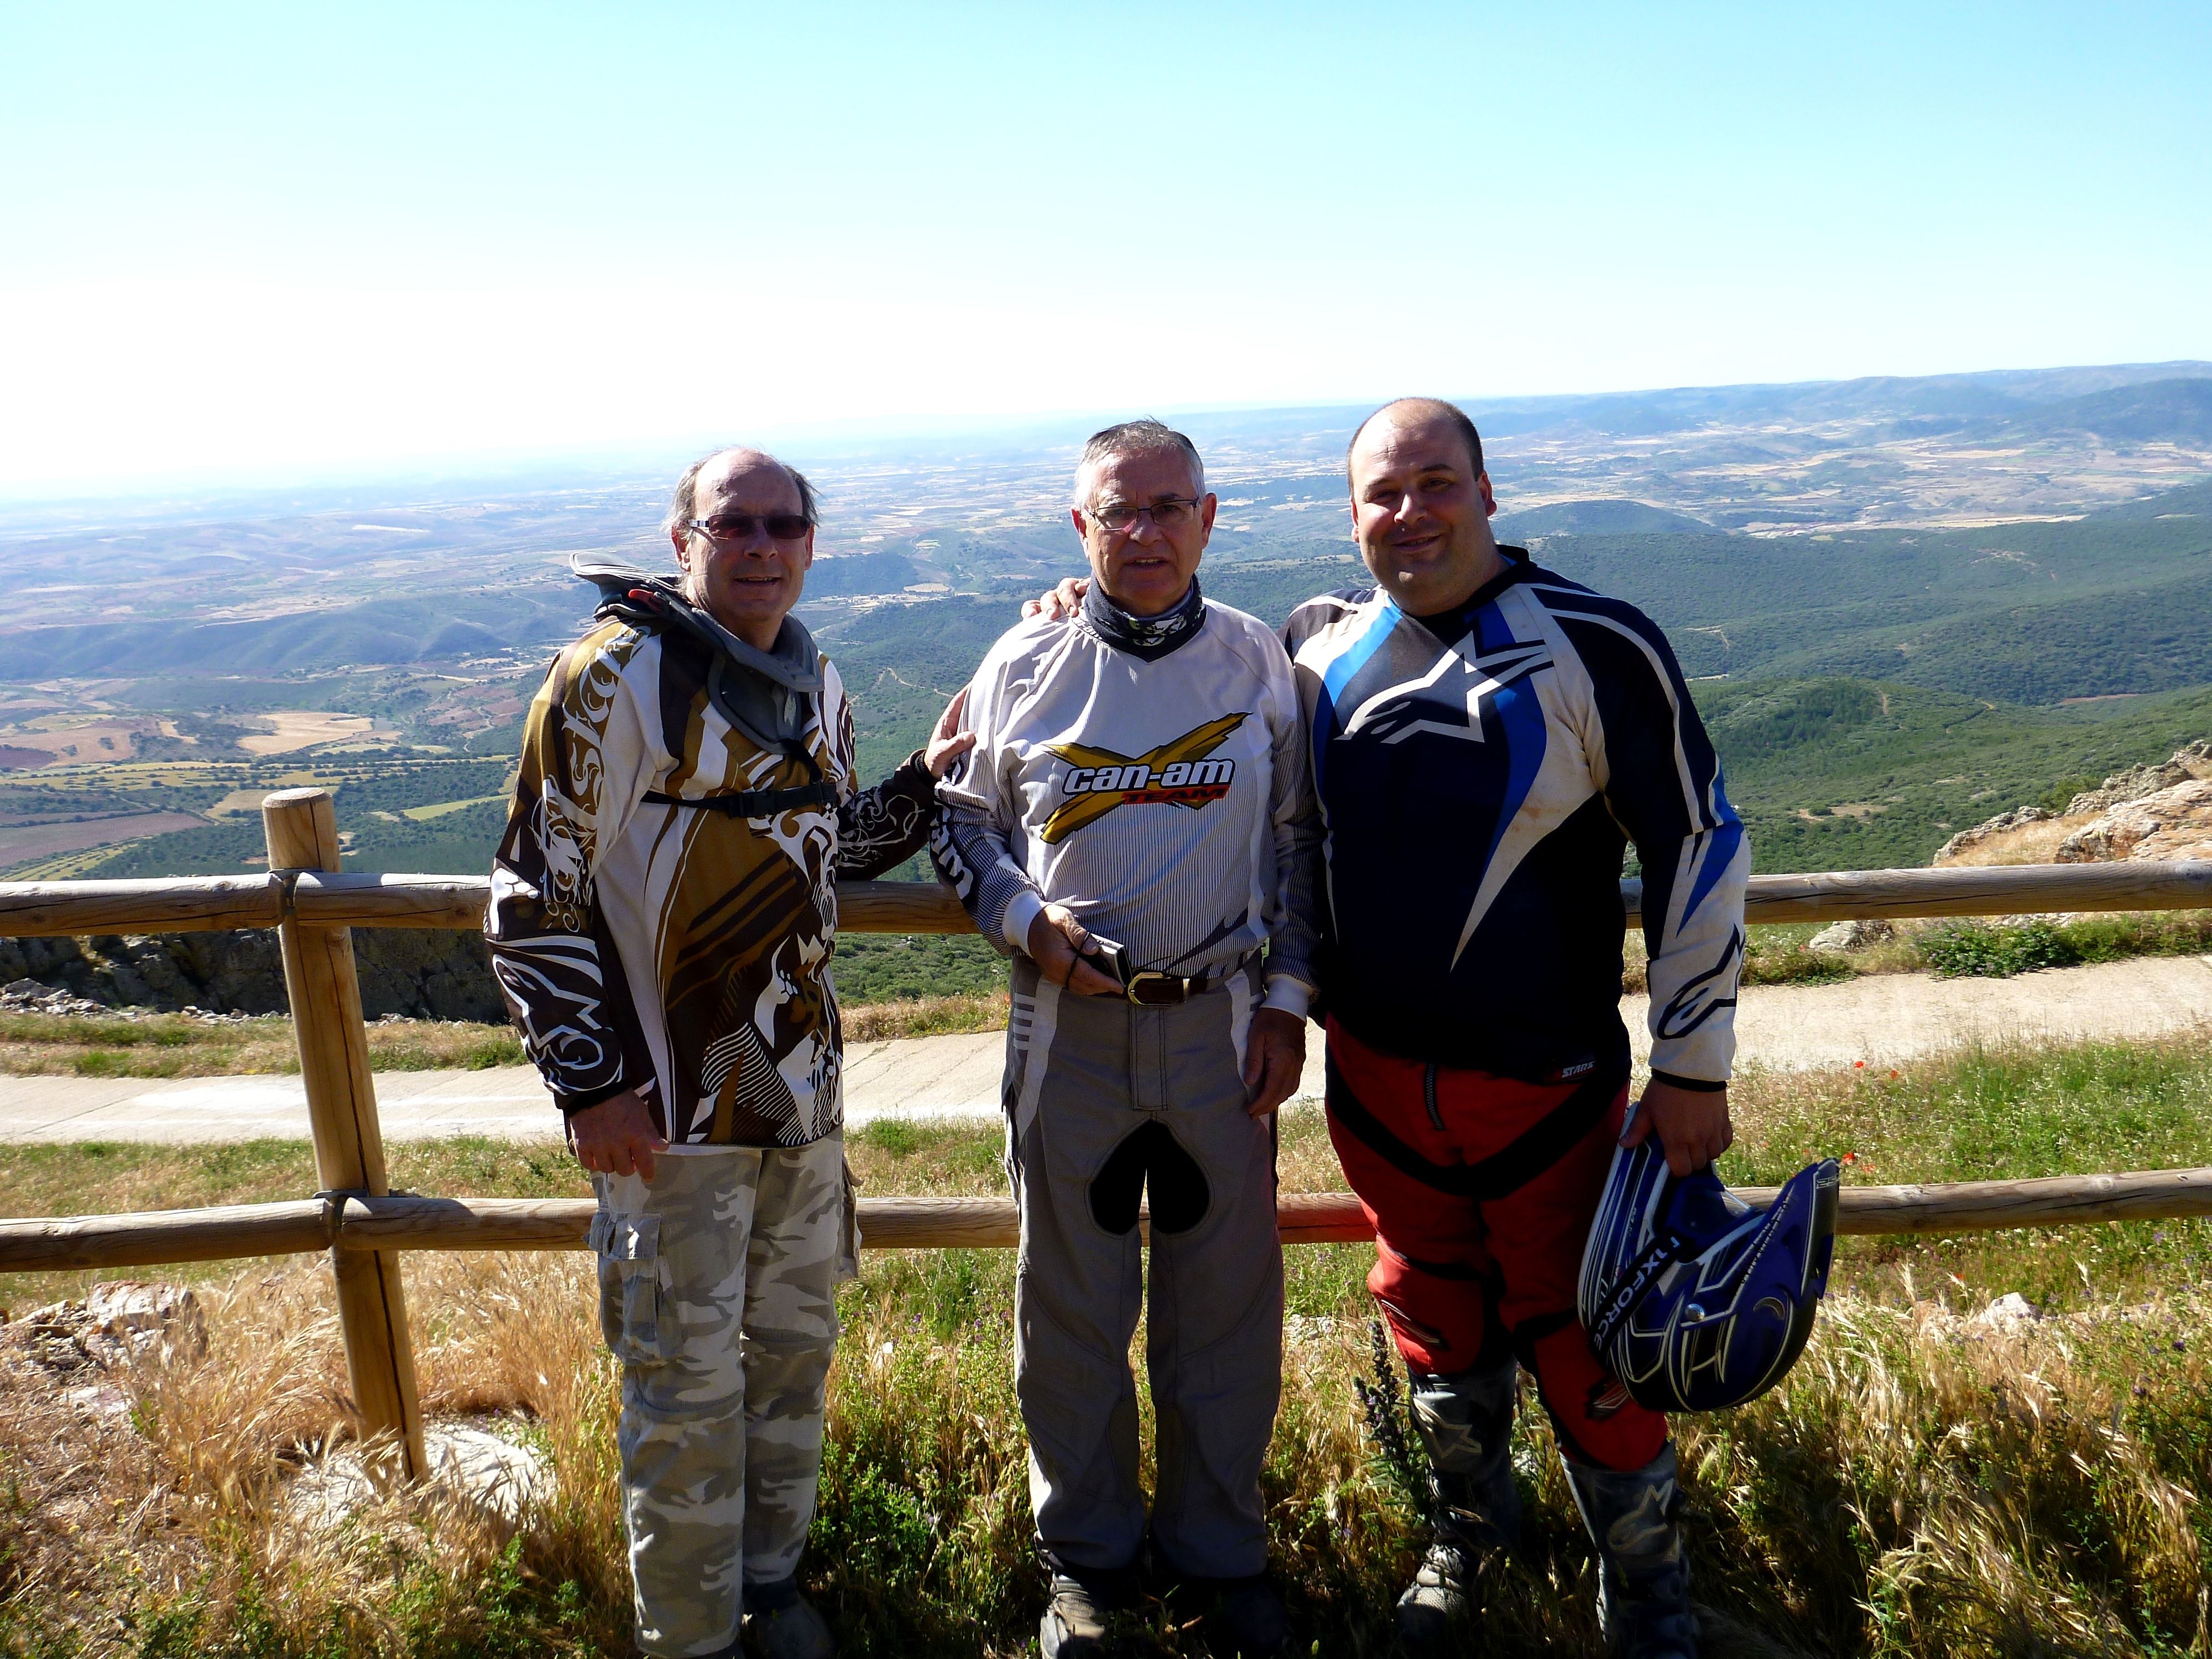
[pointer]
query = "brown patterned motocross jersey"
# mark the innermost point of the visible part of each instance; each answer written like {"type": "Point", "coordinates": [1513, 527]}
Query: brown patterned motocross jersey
{"type": "Point", "coordinates": [664, 900]}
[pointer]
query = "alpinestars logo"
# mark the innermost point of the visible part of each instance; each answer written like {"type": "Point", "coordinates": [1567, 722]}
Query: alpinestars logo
{"type": "Point", "coordinates": [1181, 772]}
{"type": "Point", "coordinates": [1398, 712]}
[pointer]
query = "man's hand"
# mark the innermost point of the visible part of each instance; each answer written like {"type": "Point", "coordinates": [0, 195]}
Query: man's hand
{"type": "Point", "coordinates": [1061, 602]}
{"type": "Point", "coordinates": [617, 1136]}
{"type": "Point", "coordinates": [1274, 1054]}
{"type": "Point", "coordinates": [948, 742]}
{"type": "Point", "coordinates": [1693, 1124]}
{"type": "Point", "coordinates": [1055, 944]}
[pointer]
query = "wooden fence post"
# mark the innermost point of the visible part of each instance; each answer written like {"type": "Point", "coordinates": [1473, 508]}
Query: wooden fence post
{"type": "Point", "coordinates": [302, 831]}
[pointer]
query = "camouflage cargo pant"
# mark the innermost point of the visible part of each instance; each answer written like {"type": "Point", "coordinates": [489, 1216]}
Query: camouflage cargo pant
{"type": "Point", "coordinates": [717, 1293]}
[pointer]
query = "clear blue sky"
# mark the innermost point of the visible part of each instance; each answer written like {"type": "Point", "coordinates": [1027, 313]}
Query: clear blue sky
{"type": "Point", "coordinates": [263, 242]}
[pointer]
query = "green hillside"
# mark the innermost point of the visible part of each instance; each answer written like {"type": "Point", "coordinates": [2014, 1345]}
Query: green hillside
{"type": "Point", "coordinates": [1907, 765]}
{"type": "Point", "coordinates": [2024, 612]}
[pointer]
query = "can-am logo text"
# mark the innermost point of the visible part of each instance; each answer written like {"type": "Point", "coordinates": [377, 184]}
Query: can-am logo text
{"type": "Point", "coordinates": [1181, 772]}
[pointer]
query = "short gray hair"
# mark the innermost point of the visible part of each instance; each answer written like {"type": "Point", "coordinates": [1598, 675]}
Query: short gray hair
{"type": "Point", "coordinates": [1145, 437]}
{"type": "Point", "coordinates": [685, 505]}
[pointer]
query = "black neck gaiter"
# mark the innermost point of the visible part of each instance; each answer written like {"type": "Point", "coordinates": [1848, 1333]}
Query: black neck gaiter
{"type": "Point", "coordinates": [1147, 638]}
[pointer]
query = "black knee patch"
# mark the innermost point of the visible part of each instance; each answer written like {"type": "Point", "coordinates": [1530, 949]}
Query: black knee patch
{"type": "Point", "coordinates": [1180, 1193]}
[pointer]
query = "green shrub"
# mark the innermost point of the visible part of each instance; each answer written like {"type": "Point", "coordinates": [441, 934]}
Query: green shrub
{"type": "Point", "coordinates": [2055, 798]}
{"type": "Point", "coordinates": [1974, 950]}
{"type": "Point", "coordinates": [1792, 964]}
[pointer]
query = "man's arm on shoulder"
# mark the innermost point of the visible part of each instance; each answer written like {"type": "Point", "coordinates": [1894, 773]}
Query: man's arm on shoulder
{"type": "Point", "coordinates": [971, 844]}
{"type": "Point", "coordinates": [881, 827]}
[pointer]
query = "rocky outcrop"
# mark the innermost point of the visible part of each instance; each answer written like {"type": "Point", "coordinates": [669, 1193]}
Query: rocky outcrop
{"type": "Point", "coordinates": [2174, 822]}
{"type": "Point", "coordinates": [2190, 763]}
{"type": "Point", "coordinates": [432, 974]}
{"type": "Point", "coordinates": [2162, 812]}
{"type": "Point", "coordinates": [1855, 934]}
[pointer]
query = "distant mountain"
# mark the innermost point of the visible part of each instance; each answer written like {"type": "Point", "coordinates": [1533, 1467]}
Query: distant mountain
{"type": "Point", "coordinates": [374, 632]}
{"type": "Point", "coordinates": [2169, 411]}
{"type": "Point", "coordinates": [1601, 518]}
{"type": "Point", "coordinates": [1947, 400]}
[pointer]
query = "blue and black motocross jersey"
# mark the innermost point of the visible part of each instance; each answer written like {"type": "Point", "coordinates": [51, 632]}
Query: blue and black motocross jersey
{"type": "Point", "coordinates": [1481, 775]}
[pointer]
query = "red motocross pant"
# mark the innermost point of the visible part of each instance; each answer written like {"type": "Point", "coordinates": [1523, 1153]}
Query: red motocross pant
{"type": "Point", "coordinates": [1481, 1190]}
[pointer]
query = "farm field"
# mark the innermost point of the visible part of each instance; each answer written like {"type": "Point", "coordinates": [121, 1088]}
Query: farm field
{"type": "Point", "coordinates": [27, 843]}
{"type": "Point", "coordinates": [1930, 1479]}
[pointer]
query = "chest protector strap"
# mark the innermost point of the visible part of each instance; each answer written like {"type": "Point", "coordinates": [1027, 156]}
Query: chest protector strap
{"type": "Point", "coordinates": [760, 803]}
{"type": "Point", "coordinates": [753, 803]}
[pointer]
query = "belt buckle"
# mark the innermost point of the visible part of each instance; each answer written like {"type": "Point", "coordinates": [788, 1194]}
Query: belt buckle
{"type": "Point", "coordinates": [1172, 990]}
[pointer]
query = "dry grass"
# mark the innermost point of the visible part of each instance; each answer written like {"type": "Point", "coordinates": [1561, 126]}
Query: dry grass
{"type": "Point", "coordinates": [1921, 1484]}
{"type": "Point", "coordinates": [2026, 843]}
{"type": "Point", "coordinates": [924, 1017]}
{"type": "Point", "coordinates": [175, 1045]}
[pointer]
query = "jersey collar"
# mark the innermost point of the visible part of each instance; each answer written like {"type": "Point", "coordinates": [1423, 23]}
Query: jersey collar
{"type": "Point", "coordinates": [1448, 625]}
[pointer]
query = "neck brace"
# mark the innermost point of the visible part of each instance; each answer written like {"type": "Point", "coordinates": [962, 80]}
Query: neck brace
{"type": "Point", "coordinates": [763, 693]}
{"type": "Point", "coordinates": [1147, 638]}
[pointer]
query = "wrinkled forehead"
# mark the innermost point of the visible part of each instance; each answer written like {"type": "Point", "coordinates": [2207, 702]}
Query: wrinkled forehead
{"type": "Point", "coordinates": [1396, 447]}
{"type": "Point", "coordinates": [744, 481]}
{"type": "Point", "coordinates": [1139, 476]}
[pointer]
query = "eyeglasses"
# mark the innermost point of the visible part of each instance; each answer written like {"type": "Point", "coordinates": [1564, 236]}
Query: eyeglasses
{"type": "Point", "coordinates": [739, 527]}
{"type": "Point", "coordinates": [1168, 513]}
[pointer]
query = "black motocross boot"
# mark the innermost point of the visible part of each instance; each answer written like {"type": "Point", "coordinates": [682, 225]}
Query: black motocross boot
{"type": "Point", "coordinates": [1466, 1422]}
{"type": "Point", "coordinates": [1644, 1579]}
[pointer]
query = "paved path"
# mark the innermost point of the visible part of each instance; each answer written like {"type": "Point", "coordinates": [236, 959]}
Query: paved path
{"type": "Point", "coordinates": [1889, 1018]}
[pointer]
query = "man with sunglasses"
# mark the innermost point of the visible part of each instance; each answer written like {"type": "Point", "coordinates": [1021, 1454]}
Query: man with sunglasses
{"type": "Point", "coordinates": [664, 907]}
{"type": "Point", "coordinates": [1131, 827]}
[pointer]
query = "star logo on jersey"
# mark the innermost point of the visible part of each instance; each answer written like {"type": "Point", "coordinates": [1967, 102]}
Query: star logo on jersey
{"type": "Point", "coordinates": [1459, 681]}
{"type": "Point", "coordinates": [1181, 772]}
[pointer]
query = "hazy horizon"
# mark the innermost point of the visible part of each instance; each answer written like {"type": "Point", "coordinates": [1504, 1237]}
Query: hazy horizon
{"type": "Point", "coordinates": [854, 439]}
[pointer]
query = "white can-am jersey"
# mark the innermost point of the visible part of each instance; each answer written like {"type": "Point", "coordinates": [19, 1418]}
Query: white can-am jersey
{"type": "Point", "coordinates": [1163, 802]}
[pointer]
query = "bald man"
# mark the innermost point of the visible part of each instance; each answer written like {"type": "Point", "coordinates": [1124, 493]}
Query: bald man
{"type": "Point", "coordinates": [663, 912]}
{"type": "Point", "coordinates": [1486, 738]}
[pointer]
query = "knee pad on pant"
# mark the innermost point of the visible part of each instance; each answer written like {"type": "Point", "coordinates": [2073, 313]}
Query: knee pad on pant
{"type": "Point", "coordinates": [1442, 1324]}
{"type": "Point", "coordinates": [1594, 1418]}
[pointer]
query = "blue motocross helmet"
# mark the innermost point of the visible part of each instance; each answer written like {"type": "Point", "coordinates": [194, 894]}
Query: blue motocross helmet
{"type": "Point", "coordinates": [1696, 1301]}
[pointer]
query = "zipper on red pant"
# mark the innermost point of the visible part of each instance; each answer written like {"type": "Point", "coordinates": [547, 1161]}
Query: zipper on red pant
{"type": "Point", "coordinates": [1429, 1096]}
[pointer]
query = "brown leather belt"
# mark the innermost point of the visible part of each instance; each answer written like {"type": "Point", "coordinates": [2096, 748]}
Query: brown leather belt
{"type": "Point", "coordinates": [1149, 989]}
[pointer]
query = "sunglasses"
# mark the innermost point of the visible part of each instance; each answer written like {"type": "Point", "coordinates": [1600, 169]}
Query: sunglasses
{"type": "Point", "coordinates": [739, 527]}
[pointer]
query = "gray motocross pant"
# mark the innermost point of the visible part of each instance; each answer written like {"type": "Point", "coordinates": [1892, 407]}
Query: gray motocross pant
{"type": "Point", "coordinates": [1103, 1100]}
{"type": "Point", "coordinates": [718, 1286]}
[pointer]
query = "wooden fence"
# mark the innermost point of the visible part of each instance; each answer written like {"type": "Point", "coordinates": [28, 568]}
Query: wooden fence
{"type": "Point", "coordinates": [364, 1226]}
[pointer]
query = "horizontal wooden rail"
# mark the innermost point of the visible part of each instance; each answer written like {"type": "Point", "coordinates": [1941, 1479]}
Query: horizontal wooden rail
{"type": "Point", "coordinates": [152, 1238]}
{"type": "Point", "coordinates": [204, 903]}
{"type": "Point", "coordinates": [172, 904]}
{"type": "Point", "coordinates": [407, 1223]}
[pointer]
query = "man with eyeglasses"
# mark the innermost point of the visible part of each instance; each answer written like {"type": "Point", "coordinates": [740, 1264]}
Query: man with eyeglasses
{"type": "Point", "coordinates": [663, 911]}
{"type": "Point", "coordinates": [1487, 737]}
{"type": "Point", "coordinates": [1131, 827]}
